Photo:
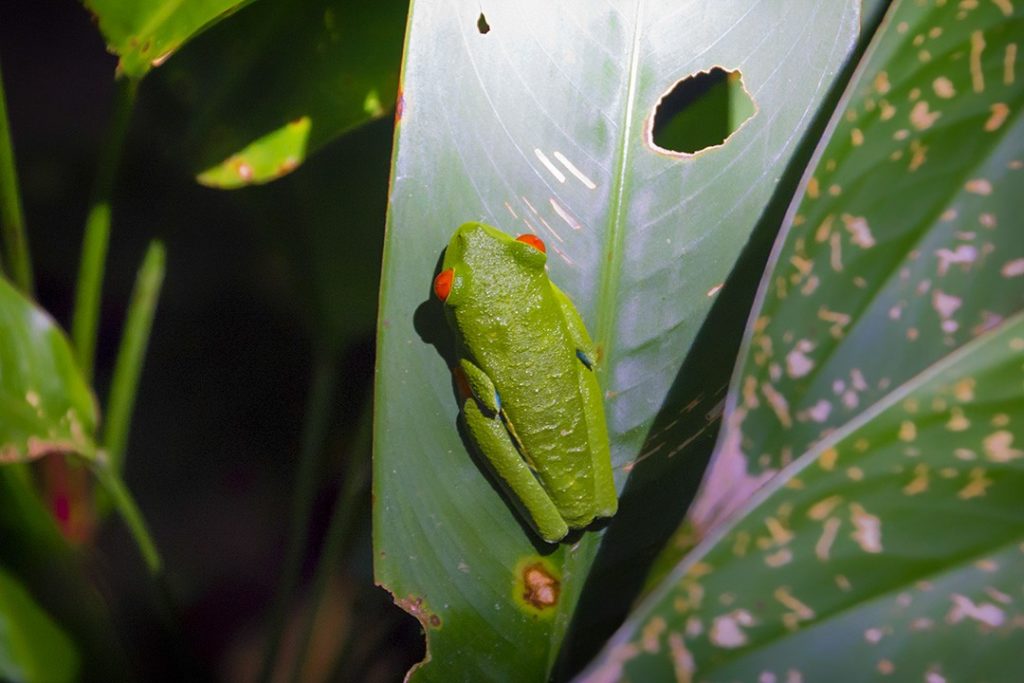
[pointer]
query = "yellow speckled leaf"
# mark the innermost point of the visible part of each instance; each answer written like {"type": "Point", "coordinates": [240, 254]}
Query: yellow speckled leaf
{"type": "Point", "coordinates": [891, 547]}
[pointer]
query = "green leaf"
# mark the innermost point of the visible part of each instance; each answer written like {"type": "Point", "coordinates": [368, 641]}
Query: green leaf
{"type": "Point", "coordinates": [45, 405]}
{"type": "Point", "coordinates": [144, 33]}
{"type": "Point", "coordinates": [32, 647]}
{"type": "Point", "coordinates": [282, 79]}
{"type": "Point", "coordinates": [546, 133]}
{"type": "Point", "coordinates": [865, 489]}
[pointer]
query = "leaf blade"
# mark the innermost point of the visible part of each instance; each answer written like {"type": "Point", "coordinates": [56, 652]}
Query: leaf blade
{"type": "Point", "coordinates": [45, 403]}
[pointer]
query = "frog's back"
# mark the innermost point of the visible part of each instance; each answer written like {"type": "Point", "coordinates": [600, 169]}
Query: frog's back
{"type": "Point", "coordinates": [516, 327]}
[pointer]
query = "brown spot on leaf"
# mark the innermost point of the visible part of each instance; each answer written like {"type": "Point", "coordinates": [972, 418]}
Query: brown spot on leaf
{"type": "Point", "coordinates": [416, 607]}
{"type": "Point", "coordinates": [540, 588]}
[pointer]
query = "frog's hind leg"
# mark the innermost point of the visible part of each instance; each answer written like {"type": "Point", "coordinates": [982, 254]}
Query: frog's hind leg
{"type": "Point", "coordinates": [493, 440]}
{"type": "Point", "coordinates": [590, 391]}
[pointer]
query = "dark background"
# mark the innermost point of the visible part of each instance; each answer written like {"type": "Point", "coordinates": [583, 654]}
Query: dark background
{"type": "Point", "coordinates": [258, 280]}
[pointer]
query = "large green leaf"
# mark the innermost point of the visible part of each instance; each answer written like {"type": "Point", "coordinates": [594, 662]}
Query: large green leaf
{"type": "Point", "coordinates": [544, 130]}
{"type": "Point", "coordinates": [32, 647]}
{"type": "Point", "coordinates": [144, 33]}
{"type": "Point", "coordinates": [45, 404]}
{"type": "Point", "coordinates": [875, 414]}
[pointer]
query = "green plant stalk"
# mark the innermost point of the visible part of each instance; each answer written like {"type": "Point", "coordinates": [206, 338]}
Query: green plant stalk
{"type": "Point", "coordinates": [339, 531]}
{"type": "Point", "coordinates": [123, 501]}
{"type": "Point", "coordinates": [129, 511]}
{"type": "Point", "coordinates": [12, 218]}
{"type": "Point", "coordinates": [318, 411]}
{"type": "Point", "coordinates": [97, 231]}
{"type": "Point", "coordinates": [134, 339]}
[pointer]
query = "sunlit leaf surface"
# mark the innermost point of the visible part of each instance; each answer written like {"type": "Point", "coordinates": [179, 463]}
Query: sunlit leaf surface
{"type": "Point", "coordinates": [539, 125]}
{"type": "Point", "coordinates": [45, 405]}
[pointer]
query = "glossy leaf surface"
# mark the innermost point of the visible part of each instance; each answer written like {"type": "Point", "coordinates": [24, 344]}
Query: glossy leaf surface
{"type": "Point", "coordinates": [546, 133]}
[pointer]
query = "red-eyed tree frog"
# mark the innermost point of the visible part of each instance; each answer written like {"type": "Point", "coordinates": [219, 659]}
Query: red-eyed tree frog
{"type": "Point", "coordinates": [530, 397]}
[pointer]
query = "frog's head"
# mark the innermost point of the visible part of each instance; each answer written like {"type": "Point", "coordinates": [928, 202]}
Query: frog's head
{"type": "Point", "coordinates": [479, 255]}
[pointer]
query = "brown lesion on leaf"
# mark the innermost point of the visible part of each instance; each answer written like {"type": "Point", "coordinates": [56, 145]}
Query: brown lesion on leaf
{"type": "Point", "coordinates": [537, 586]}
{"type": "Point", "coordinates": [415, 606]}
{"type": "Point", "coordinates": [34, 449]}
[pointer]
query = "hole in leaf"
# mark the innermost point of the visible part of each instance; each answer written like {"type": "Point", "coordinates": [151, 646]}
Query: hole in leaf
{"type": "Point", "coordinates": [701, 111]}
{"type": "Point", "coordinates": [482, 25]}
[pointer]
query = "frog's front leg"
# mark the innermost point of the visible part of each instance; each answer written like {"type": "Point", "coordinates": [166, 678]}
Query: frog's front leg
{"type": "Point", "coordinates": [488, 432]}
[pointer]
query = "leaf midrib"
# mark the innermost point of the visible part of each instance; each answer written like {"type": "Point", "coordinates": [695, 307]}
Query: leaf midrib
{"type": "Point", "coordinates": [611, 259]}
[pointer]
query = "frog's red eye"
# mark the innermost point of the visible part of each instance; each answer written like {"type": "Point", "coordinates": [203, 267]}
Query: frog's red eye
{"type": "Point", "coordinates": [533, 241]}
{"type": "Point", "coordinates": [443, 283]}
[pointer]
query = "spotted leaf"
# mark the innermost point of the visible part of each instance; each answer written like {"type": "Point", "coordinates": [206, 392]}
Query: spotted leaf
{"type": "Point", "coordinates": [888, 548]}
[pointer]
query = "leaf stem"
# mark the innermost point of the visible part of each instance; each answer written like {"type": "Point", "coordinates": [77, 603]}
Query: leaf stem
{"type": "Point", "coordinates": [12, 218]}
{"type": "Point", "coordinates": [318, 411]}
{"type": "Point", "coordinates": [129, 511]}
{"type": "Point", "coordinates": [97, 231]}
{"type": "Point", "coordinates": [134, 339]}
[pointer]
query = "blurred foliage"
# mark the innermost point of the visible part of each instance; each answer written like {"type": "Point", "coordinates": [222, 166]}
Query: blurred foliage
{"type": "Point", "coordinates": [256, 282]}
{"type": "Point", "coordinates": [46, 405]}
{"type": "Point", "coordinates": [33, 648]}
{"type": "Point", "coordinates": [145, 33]}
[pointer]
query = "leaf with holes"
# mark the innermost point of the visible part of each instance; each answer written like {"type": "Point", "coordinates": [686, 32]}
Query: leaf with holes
{"type": "Point", "coordinates": [144, 33]}
{"type": "Point", "coordinates": [548, 131]}
{"type": "Point", "coordinates": [865, 489]}
{"type": "Point", "coordinates": [45, 404]}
